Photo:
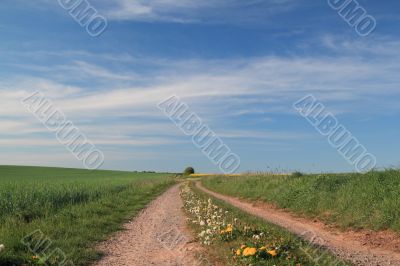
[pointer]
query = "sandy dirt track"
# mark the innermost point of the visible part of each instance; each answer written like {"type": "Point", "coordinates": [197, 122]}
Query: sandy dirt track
{"type": "Point", "coordinates": [351, 246]}
{"type": "Point", "coordinates": [157, 236]}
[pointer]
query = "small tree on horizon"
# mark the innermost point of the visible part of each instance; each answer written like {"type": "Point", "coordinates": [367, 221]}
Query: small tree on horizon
{"type": "Point", "coordinates": [188, 171]}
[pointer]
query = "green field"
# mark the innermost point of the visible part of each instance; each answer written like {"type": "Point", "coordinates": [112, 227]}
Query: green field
{"type": "Point", "coordinates": [74, 209]}
{"type": "Point", "coordinates": [369, 201]}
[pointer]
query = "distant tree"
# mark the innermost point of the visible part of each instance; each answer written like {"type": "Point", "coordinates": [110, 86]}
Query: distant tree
{"type": "Point", "coordinates": [188, 171]}
{"type": "Point", "coordinates": [297, 174]}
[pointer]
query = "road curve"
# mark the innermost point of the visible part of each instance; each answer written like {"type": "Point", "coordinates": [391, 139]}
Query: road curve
{"type": "Point", "coordinates": [344, 244]}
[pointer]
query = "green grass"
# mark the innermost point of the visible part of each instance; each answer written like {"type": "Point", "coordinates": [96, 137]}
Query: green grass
{"type": "Point", "coordinates": [74, 208]}
{"type": "Point", "coordinates": [360, 201]}
{"type": "Point", "coordinates": [301, 251]}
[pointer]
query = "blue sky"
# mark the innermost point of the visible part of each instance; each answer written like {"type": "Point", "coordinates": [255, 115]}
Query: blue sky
{"type": "Point", "coordinates": [239, 65]}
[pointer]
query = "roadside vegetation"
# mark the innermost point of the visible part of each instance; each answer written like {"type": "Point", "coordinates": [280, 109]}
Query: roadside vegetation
{"type": "Point", "coordinates": [188, 171]}
{"type": "Point", "coordinates": [74, 209]}
{"type": "Point", "coordinates": [352, 200]}
{"type": "Point", "coordinates": [232, 237]}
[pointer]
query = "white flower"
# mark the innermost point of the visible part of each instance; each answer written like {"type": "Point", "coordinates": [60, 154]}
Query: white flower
{"type": "Point", "coordinates": [2, 247]}
{"type": "Point", "coordinates": [202, 223]}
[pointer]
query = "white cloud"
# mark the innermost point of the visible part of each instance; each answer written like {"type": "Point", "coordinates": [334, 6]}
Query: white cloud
{"type": "Point", "coordinates": [220, 91]}
{"type": "Point", "coordinates": [266, 79]}
{"type": "Point", "coordinates": [183, 11]}
{"type": "Point", "coordinates": [192, 11]}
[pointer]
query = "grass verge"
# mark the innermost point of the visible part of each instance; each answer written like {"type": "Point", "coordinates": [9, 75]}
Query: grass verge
{"type": "Point", "coordinates": [232, 237]}
{"type": "Point", "coordinates": [358, 201]}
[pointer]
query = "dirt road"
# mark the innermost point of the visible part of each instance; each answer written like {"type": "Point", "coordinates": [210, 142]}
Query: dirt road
{"type": "Point", "coordinates": [351, 246]}
{"type": "Point", "coordinates": [157, 236]}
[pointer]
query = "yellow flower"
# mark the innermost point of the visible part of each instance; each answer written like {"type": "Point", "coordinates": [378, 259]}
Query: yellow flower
{"type": "Point", "coordinates": [229, 230]}
{"type": "Point", "coordinates": [238, 252]}
{"type": "Point", "coordinates": [249, 252]}
{"type": "Point", "coordinates": [263, 248]}
{"type": "Point", "coordinates": [273, 253]}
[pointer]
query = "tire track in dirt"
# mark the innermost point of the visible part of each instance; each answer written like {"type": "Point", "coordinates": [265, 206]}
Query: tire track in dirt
{"type": "Point", "coordinates": [157, 236]}
{"type": "Point", "coordinates": [347, 245]}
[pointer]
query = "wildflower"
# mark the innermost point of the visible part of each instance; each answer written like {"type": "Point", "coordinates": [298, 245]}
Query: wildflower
{"type": "Point", "coordinates": [243, 246]}
{"type": "Point", "coordinates": [249, 252]}
{"type": "Point", "coordinates": [238, 252]}
{"type": "Point", "coordinates": [273, 253]}
{"type": "Point", "coordinates": [263, 248]}
{"type": "Point", "coordinates": [229, 228]}
{"type": "Point", "coordinates": [2, 247]}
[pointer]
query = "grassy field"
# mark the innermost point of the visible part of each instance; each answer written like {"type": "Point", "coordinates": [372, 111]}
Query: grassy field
{"type": "Point", "coordinates": [248, 232]}
{"type": "Point", "coordinates": [369, 201]}
{"type": "Point", "coordinates": [74, 209]}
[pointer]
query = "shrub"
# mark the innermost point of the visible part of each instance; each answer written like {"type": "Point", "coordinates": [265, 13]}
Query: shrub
{"type": "Point", "coordinates": [188, 171]}
{"type": "Point", "coordinates": [297, 174]}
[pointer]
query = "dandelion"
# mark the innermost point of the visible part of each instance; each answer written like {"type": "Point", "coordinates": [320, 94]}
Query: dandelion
{"type": "Point", "coordinates": [273, 253]}
{"type": "Point", "coordinates": [238, 252]}
{"type": "Point", "coordinates": [247, 252]}
{"type": "Point", "coordinates": [229, 228]}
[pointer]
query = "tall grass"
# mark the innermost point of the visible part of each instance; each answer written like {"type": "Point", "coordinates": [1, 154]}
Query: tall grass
{"type": "Point", "coordinates": [352, 200]}
{"type": "Point", "coordinates": [74, 208]}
